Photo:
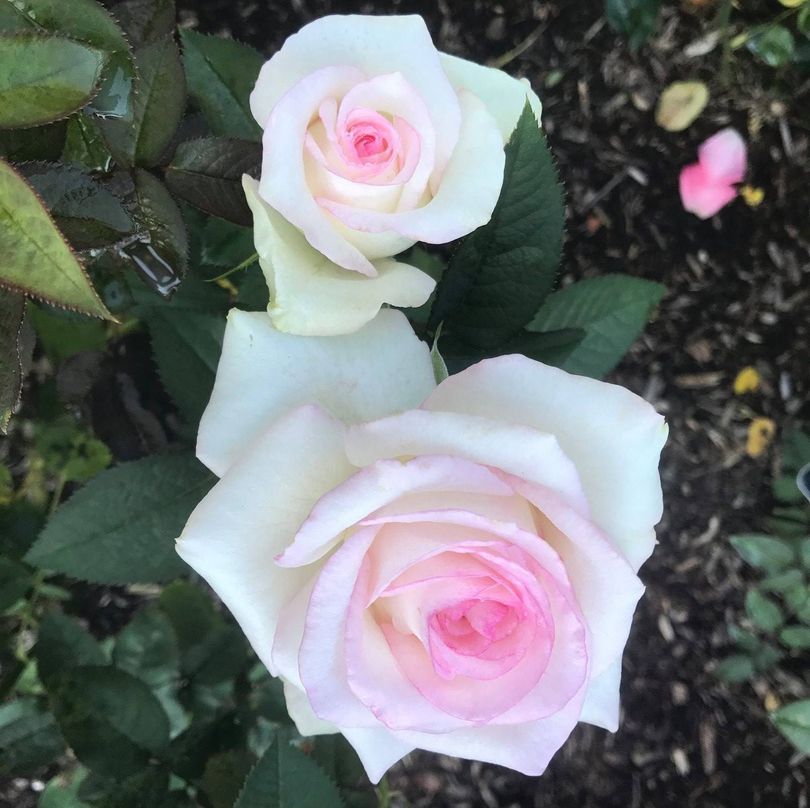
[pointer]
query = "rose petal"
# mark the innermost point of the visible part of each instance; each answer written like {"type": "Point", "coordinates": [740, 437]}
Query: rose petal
{"type": "Point", "coordinates": [504, 96]}
{"type": "Point", "coordinates": [724, 156]}
{"type": "Point", "coordinates": [234, 534]}
{"type": "Point", "coordinates": [463, 200]}
{"type": "Point", "coordinates": [263, 373]}
{"type": "Point", "coordinates": [312, 296]}
{"type": "Point", "coordinates": [613, 437]}
{"type": "Point", "coordinates": [601, 706]}
{"type": "Point", "coordinates": [701, 193]}
{"type": "Point", "coordinates": [374, 45]}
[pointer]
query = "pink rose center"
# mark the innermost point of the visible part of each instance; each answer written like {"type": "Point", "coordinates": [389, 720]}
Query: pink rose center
{"type": "Point", "coordinates": [368, 138]}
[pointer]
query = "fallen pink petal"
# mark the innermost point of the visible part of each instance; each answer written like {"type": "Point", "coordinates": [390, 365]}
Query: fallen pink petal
{"type": "Point", "coordinates": [708, 185]}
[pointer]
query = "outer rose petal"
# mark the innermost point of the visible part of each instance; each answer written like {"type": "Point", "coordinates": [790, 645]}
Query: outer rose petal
{"type": "Point", "coordinates": [234, 534]}
{"type": "Point", "coordinates": [312, 296]}
{"type": "Point", "coordinates": [702, 194]}
{"type": "Point", "coordinates": [613, 436]}
{"type": "Point", "coordinates": [374, 45]}
{"type": "Point", "coordinates": [306, 722]}
{"type": "Point", "coordinates": [465, 198]}
{"type": "Point", "coordinates": [262, 374]}
{"type": "Point", "coordinates": [504, 95]}
{"type": "Point", "coordinates": [724, 156]}
{"type": "Point", "coordinates": [601, 707]}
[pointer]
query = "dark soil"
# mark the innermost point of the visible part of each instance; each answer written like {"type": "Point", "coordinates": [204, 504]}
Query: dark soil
{"type": "Point", "coordinates": [739, 294]}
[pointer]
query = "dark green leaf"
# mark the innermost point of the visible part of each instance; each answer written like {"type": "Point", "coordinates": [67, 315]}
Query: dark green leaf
{"type": "Point", "coordinates": [89, 22]}
{"type": "Point", "coordinates": [189, 752]}
{"type": "Point", "coordinates": [12, 312]}
{"type": "Point", "coordinates": [636, 19]}
{"type": "Point", "coordinates": [785, 488]}
{"type": "Point", "coordinates": [335, 755]}
{"type": "Point", "coordinates": [64, 334]}
{"type": "Point", "coordinates": [63, 644]}
{"type": "Point", "coordinates": [224, 775]}
{"type": "Point", "coordinates": [40, 143]}
{"type": "Point", "coordinates": [744, 639]}
{"type": "Point", "coordinates": [795, 637]}
{"type": "Point", "coordinates": [793, 721]}
{"type": "Point", "coordinates": [735, 668]}
{"type": "Point", "coordinates": [87, 211]}
{"type": "Point", "coordinates": [764, 552]}
{"type": "Point", "coordinates": [144, 789]}
{"type": "Point", "coordinates": [20, 522]}
{"type": "Point", "coordinates": [612, 310]}
{"type": "Point", "coordinates": [286, 778]}
{"type": "Point", "coordinates": [795, 451]}
{"type": "Point", "coordinates": [111, 720]}
{"type": "Point", "coordinates": [29, 737]}
{"type": "Point", "coordinates": [782, 581]}
{"type": "Point", "coordinates": [84, 144]}
{"type": "Point", "coordinates": [774, 45]}
{"type": "Point", "coordinates": [43, 79]}
{"type": "Point", "coordinates": [36, 259]}
{"type": "Point", "coordinates": [766, 657]}
{"type": "Point", "coordinates": [146, 20]}
{"type": "Point", "coordinates": [501, 273]}
{"type": "Point", "coordinates": [207, 173]}
{"type": "Point", "coordinates": [120, 528]}
{"type": "Point", "coordinates": [147, 648]}
{"type": "Point", "coordinates": [15, 581]}
{"type": "Point", "coordinates": [221, 74]}
{"type": "Point", "coordinates": [63, 790]}
{"type": "Point", "coordinates": [551, 347]}
{"type": "Point", "coordinates": [804, 553]}
{"type": "Point", "coordinates": [803, 20]}
{"type": "Point", "coordinates": [762, 611]}
{"type": "Point", "coordinates": [161, 218]}
{"type": "Point", "coordinates": [158, 106]}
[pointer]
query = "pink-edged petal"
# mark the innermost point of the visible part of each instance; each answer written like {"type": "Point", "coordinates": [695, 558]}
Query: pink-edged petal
{"type": "Point", "coordinates": [607, 589]}
{"type": "Point", "coordinates": [252, 513]}
{"type": "Point", "coordinates": [380, 484]}
{"type": "Point", "coordinates": [504, 96]}
{"type": "Point", "coordinates": [375, 45]}
{"type": "Point", "coordinates": [283, 183]}
{"type": "Point", "coordinates": [306, 722]}
{"type": "Point", "coordinates": [703, 194]}
{"type": "Point", "coordinates": [613, 437]}
{"type": "Point", "coordinates": [378, 749]}
{"type": "Point", "coordinates": [264, 373]}
{"type": "Point", "coordinates": [498, 440]}
{"type": "Point", "coordinates": [724, 156]}
{"type": "Point", "coordinates": [463, 200]}
{"type": "Point", "coordinates": [312, 296]}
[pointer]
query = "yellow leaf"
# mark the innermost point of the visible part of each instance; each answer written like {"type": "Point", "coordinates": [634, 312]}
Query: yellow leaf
{"type": "Point", "coordinates": [747, 381]}
{"type": "Point", "coordinates": [680, 104]}
{"type": "Point", "coordinates": [791, 3]}
{"type": "Point", "coordinates": [760, 435]}
{"type": "Point", "coordinates": [752, 196]}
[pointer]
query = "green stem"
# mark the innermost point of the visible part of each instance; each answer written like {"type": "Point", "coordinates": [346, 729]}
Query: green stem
{"type": "Point", "coordinates": [249, 261]}
{"type": "Point", "coordinates": [61, 481]}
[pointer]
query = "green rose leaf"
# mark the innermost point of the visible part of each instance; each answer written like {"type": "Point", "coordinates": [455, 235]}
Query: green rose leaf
{"type": "Point", "coordinates": [795, 637]}
{"type": "Point", "coordinates": [39, 143]}
{"type": "Point", "coordinates": [147, 648]}
{"type": "Point", "coordinates": [12, 354]}
{"type": "Point", "coordinates": [29, 737]}
{"type": "Point", "coordinates": [146, 21]}
{"type": "Point", "coordinates": [63, 644]}
{"type": "Point", "coordinates": [43, 79]}
{"type": "Point", "coordinates": [502, 272]}
{"type": "Point", "coordinates": [207, 173]}
{"type": "Point", "coordinates": [286, 778]}
{"type": "Point", "coordinates": [221, 75]}
{"type": "Point", "coordinates": [158, 106]}
{"type": "Point", "coordinates": [636, 19]}
{"type": "Point", "coordinates": [611, 310]}
{"type": "Point", "coordinates": [793, 721]}
{"type": "Point", "coordinates": [63, 790]}
{"type": "Point", "coordinates": [763, 552]}
{"type": "Point", "coordinates": [120, 528]}
{"type": "Point", "coordinates": [36, 259]}
{"type": "Point", "coordinates": [88, 212]}
{"type": "Point", "coordinates": [774, 46]}
{"type": "Point", "coordinates": [15, 581]}
{"type": "Point", "coordinates": [735, 668]}
{"type": "Point", "coordinates": [110, 719]}
{"type": "Point", "coordinates": [762, 611]}
{"type": "Point", "coordinates": [91, 23]}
